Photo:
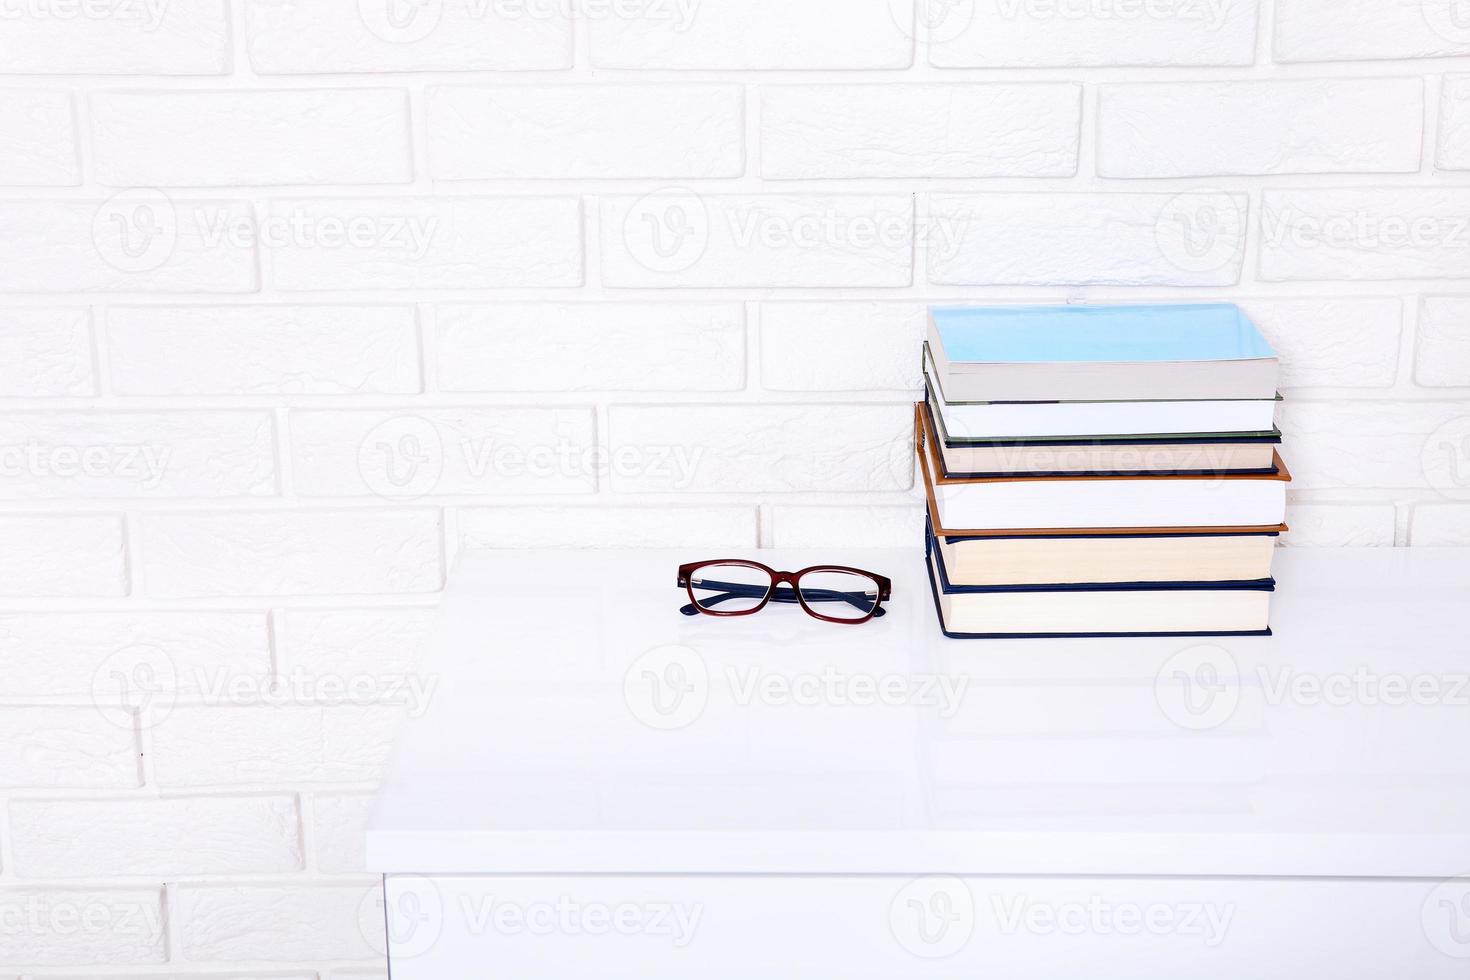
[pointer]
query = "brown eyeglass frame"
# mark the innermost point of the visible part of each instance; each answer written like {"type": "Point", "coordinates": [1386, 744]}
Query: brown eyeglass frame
{"type": "Point", "coordinates": [686, 582]}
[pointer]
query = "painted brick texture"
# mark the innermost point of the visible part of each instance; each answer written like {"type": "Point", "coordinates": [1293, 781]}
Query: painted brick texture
{"type": "Point", "coordinates": [299, 299]}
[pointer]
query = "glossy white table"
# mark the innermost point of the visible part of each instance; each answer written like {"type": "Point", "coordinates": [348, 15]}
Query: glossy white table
{"type": "Point", "coordinates": [605, 788]}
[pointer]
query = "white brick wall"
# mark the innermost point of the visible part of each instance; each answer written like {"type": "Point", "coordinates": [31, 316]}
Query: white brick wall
{"type": "Point", "coordinates": [45, 352]}
{"type": "Point", "coordinates": [195, 836]}
{"type": "Point", "coordinates": [263, 350]}
{"type": "Point", "coordinates": [295, 297]}
{"type": "Point", "coordinates": [188, 37]}
{"type": "Point", "coordinates": [1211, 129]}
{"type": "Point", "coordinates": [811, 131]}
{"type": "Point", "coordinates": [1369, 30]}
{"type": "Point", "coordinates": [1454, 124]}
{"type": "Point", "coordinates": [678, 238]}
{"type": "Point", "coordinates": [1045, 33]}
{"type": "Point", "coordinates": [136, 241]}
{"type": "Point", "coordinates": [547, 131]}
{"type": "Point", "coordinates": [1443, 358]}
{"type": "Point", "coordinates": [228, 138]}
{"type": "Point", "coordinates": [421, 243]}
{"type": "Point", "coordinates": [491, 347]}
{"type": "Point", "coordinates": [1105, 239]}
{"type": "Point", "coordinates": [285, 37]}
{"type": "Point", "coordinates": [40, 146]}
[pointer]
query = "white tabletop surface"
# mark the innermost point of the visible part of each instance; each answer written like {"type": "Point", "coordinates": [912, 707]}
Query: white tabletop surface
{"type": "Point", "coordinates": [582, 725]}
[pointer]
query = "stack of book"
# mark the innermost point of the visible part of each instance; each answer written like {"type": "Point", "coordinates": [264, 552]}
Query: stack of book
{"type": "Point", "coordinates": [1100, 470]}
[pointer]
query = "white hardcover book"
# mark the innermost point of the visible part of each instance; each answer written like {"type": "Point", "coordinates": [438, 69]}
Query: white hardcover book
{"type": "Point", "coordinates": [1076, 502]}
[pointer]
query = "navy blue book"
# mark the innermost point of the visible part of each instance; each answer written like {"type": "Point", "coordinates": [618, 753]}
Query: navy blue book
{"type": "Point", "coordinates": [1197, 608]}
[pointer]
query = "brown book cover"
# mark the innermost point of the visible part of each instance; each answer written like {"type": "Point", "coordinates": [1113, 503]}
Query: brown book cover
{"type": "Point", "coordinates": [923, 441]}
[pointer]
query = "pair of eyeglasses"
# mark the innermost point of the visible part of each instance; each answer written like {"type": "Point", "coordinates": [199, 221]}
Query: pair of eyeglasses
{"type": "Point", "coordinates": [831, 593]}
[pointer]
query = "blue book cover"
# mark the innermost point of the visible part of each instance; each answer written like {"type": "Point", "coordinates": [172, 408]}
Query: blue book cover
{"type": "Point", "coordinates": [1098, 334]}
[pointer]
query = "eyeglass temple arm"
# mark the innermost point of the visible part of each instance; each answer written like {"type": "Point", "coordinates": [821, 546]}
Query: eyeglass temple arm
{"type": "Point", "coordinates": [734, 590]}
